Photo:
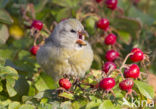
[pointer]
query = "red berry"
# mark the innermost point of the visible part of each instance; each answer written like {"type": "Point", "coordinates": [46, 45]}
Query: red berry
{"type": "Point", "coordinates": [132, 72]}
{"type": "Point", "coordinates": [107, 83]}
{"type": "Point", "coordinates": [65, 83]}
{"type": "Point", "coordinates": [137, 56]}
{"type": "Point", "coordinates": [98, 1]}
{"type": "Point", "coordinates": [103, 24]}
{"type": "Point", "coordinates": [135, 49]}
{"type": "Point", "coordinates": [110, 39]}
{"type": "Point", "coordinates": [34, 49]}
{"type": "Point", "coordinates": [126, 84]}
{"type": "Point", "coordinates": [112, 4]}
{"type": "Point", "coordinates": [107, 66]}
{"type": "Point", "coordinates": [111, 55]}
{"type": "Point", "coordinates": [37, 24]}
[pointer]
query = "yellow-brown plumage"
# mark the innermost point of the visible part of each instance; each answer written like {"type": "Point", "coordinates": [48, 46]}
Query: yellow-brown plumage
{"type": "Point", "coordinates": [61, 55]}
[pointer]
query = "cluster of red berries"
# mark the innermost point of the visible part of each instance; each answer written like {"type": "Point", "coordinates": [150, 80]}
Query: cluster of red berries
{"type": "Point", "coordinates": [111, 4]}
{"type": "Point", "coordinates": [132, 71]}
{"type": "Point", "coordinates": [37, 25]}
{"type": "Point", "coordinates": [108, 83]}
{"type": "Point", "coordinates": [103, 24]}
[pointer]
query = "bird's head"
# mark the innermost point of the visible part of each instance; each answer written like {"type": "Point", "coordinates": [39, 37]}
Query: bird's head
{"type": "Point", "coordinates": [69, 33]}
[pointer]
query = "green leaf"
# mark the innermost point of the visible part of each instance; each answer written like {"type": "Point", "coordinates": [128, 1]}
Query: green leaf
{"type": "Point", "coordinates": [1, 86]}
{"type": "Point", "coordinates": [45, 106]}
{"type": "Point", "coordinates": [4, 34]}
{"type": "Point", "coordinates": [10, 83]}
{"type": "Point", "coordinates": [14, 105]}
{"type": "Point", "coordinates": [145, 89]}
{"type": "Point", "coordinates": [76, 105]}
{"type": "Point", "coordinates": [46, 94]}
{"type": "Point", "coordinates": [27, 106]}
{"type": "Point", "coordinates": [107, 104]}
{"type": "Point", "coordinates": [55, 105]}
{"type": "Point", "coordinates": [45, 82]}
{"type": "Point", "coordinates": [66, 3]}
{"type": "Point", "coordinates": [21, 86]}
{"type": "Point", "coordinates": [146, 19]}
{"type": "Point", "coordinates": [5, 102]}
{"type": "Point", "coordinates": [93, 104]}
{"type": "Point", "coordinates": [8, 72]}
{"type": "Point", "coordinates": [66, 95]}
{"type": "Point", "coordinates": [40, 5]}
{"type": "Point", "coordinates": [130, 25]}
{"type": "Point", "coordinates": [61, 13]}
{"type": "Point", "coordinates": [5, 17]}
{"type": "Point", "coordinates": [125, 37]}
{"type": "Point", "coordinates": [31, 91]}
{"type": "Point", "coordinates": [66, 105]}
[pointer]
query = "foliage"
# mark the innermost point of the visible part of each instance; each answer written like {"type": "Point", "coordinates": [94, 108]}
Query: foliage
{"type": "Point", "coordinates": [23, 85]}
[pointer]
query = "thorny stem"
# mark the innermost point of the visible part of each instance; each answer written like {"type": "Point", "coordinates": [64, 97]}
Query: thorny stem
{"type": "Point", "coordinates": [46, 29]}
{"type": "Point", "coordinates": [36, 37]}
{"type": "Point", "coordinates": [110, 70]}
{"type": "Point", "coordinates": [123, 64]}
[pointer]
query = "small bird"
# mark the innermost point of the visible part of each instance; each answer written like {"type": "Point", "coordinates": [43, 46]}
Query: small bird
{"type": "Point", "coordinates": [65, 51]}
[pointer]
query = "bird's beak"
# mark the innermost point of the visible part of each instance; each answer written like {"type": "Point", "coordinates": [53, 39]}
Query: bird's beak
{"type": "Point", "coordinates": [82, 35]}
{"type": "Point", "coordinates": [81, 42]}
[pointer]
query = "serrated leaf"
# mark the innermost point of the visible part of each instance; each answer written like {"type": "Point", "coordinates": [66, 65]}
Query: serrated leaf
{"type": "Point", "coordinates": [45, 106]}
{"type": "Point", "coordinates": [145, 89]}
{"type": "Point", "coordinates": [8, 72]}
{"type": "Point", "coordinates": [66, 105]}
{"type": "Point", "coordinates": [6, 102]}
{"type": "Point", "coordinates": [10, 83]}
{"type": "Point", "coordinates": [107, 104]}
{"type": "Point", "coordinates": [4, 34]}
{"type": "Point", "coordinates": [27, 106]}
{"type": "Point", "coordinates": [93, 104]}
{"type": "Point", "coordinates": [146, 19]}
{"type": "Point", "coordinates": [55, 105]}
{"type": "Point", "coordinates": [5, 17]}
{"type": "Point", "coordinates": [76, 105]}
{"type": "Point", "coordinates": [32, 91]}
{"type": "Point", "coordinates": [45, 82]}
{"type": "Point", "coordinates": [14, 105]}
{"type": "Point", "coordinates": [46, 94]}
{"type": "Point", "coordinates": [6, 53]}
{"type": "Point", "coordinates": [130, 25]}
{"type": "Point", "coordinates": [21, 86]}
{"type": "Point", "coordinates": [66, 95]}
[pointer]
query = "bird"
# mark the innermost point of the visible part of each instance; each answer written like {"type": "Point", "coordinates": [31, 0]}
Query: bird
{"type": "Point", "coordinates": [66, 52]}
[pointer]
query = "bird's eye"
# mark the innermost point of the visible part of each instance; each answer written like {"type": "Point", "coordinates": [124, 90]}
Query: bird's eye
{"type": "Point", "coordinates": [73, 31]}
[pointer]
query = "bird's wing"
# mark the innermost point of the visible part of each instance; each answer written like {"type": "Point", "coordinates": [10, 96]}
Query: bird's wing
{"type": "Point", "coordinates": [53, 59]}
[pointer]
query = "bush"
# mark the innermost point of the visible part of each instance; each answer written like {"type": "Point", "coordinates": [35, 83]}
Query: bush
{"type": "Point", "coordinates": [24, 85]}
